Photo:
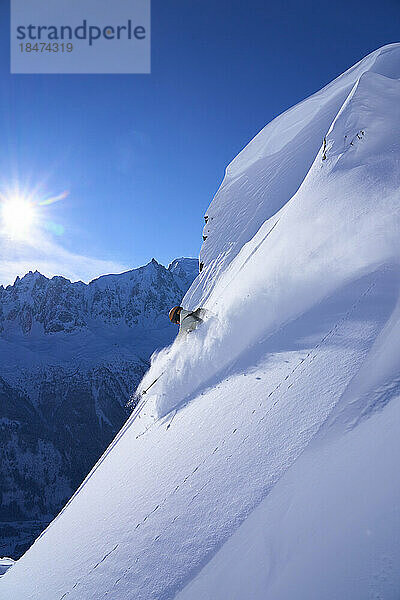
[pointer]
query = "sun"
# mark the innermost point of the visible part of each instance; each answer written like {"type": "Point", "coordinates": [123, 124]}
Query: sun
{"type": "Point", "coordinates": [18, 217]}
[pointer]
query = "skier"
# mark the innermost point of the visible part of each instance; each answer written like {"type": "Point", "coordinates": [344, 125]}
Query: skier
{"type": "Point", "coordinates": [186, 319]}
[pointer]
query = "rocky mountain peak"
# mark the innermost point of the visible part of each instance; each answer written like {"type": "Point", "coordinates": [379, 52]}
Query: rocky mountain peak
{"type": "Point", "coordinates": [129, 299]}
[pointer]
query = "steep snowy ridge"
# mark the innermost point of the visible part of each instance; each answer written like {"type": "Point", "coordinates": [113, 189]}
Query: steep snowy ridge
{"type": "Point", "coordinates": [268, 172]}
{"type": "Point", "coordinates": [71, 355]}
{"type": "Point", "coordinates": [309, 235]}
{"type": "Point", "coordinates": [264, 461]}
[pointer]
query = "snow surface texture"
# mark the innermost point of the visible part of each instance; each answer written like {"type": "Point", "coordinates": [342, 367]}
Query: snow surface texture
{"type": "Point", "coordinates": [275, 474]}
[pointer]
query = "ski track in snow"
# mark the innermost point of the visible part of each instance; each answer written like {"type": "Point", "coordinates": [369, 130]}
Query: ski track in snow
{"type": "Point", "coordinates": [309, 358]}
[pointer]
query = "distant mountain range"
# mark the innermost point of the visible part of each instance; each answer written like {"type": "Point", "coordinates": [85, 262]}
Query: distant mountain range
{"type": "Point", "coordinates": [71, 354]}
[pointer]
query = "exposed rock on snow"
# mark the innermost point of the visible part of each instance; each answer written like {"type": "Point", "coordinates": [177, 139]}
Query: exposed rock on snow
{"type": "Point", "coordinates": [5, 564]}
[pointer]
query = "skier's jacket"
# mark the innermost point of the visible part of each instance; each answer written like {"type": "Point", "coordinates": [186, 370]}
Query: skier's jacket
{"type": "Point", "coordinates": [189, 320]}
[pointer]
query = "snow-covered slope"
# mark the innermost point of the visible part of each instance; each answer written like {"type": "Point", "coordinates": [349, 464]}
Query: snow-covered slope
{"type": "Point", "coordinates": [275, 474]}
{"type": "Point", "coordinates": [268, 172]}
{"type": "Point", "coordinates": [70, 357]}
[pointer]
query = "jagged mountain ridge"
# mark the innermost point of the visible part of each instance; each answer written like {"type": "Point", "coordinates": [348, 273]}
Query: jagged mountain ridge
{"type": "Point", "coordinates": [59, 305]}
{"type": "Point", "coordinates": [71, 354]}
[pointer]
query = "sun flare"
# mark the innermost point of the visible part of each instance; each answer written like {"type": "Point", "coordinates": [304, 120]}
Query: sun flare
{"type": "Point", "coordinates": [18, 217]}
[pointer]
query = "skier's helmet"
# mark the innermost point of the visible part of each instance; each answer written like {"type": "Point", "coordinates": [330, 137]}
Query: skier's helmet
{"type": "Point", "coordinates": [174, 314]}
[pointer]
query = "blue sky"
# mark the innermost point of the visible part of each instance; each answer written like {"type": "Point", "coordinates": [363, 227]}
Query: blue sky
{"type": "Point", "coordinates": [143, 155]}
